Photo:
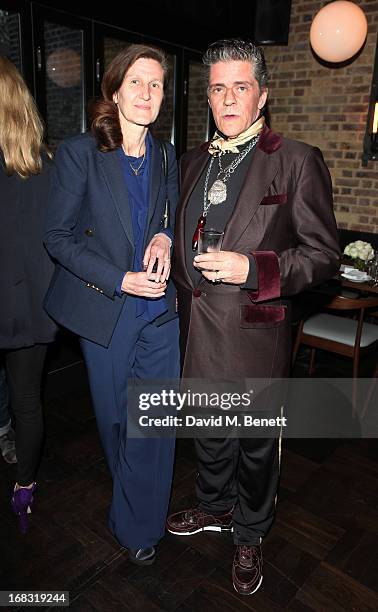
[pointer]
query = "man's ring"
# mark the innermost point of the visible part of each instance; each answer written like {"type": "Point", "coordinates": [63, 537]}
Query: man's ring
{"type": "Point", "coordinates": [217, 280]}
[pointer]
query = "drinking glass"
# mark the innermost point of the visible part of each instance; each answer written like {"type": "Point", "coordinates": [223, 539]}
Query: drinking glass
{"type": "Point", "coordinates": [209, 241]}
{"type": "Point", "coordinates": [372, 268]}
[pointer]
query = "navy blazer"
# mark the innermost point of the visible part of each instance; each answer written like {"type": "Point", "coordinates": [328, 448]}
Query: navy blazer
{"type": "Point", "coordinates": [90, 234]}
{"type": "Point", "coordinates": [26, 268]}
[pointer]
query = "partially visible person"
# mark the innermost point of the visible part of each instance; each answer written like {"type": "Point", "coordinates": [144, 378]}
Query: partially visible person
{"type": "Point", "coordinates": [7, 435]}
{"type": "Point", "coordinates": [106, 230]}
{"type": "Point", "coordinates": [26, 269]}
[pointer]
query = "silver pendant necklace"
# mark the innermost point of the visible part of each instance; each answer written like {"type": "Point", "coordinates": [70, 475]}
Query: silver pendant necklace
{"type": "Point", "coordinates": [137, 170]}
{"type": "Point", "coordinates": [217, 193]}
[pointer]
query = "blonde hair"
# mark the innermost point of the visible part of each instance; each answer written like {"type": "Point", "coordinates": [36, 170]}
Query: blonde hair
{"type": "Point", "coordinates": [21, 127]}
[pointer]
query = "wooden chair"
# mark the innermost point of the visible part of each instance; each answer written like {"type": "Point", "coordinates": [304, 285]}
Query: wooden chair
{"type": "Point", "coordinates": [339, 334]}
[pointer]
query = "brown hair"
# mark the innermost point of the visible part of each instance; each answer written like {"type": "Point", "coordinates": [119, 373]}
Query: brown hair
{"type": "Point", "coordinates": [105, 120]}
{"type": "Point", "coordinates": [21, 127]}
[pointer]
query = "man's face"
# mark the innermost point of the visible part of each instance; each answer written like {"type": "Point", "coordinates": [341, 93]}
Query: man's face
{"type": "Point", "coordinates": [234, 96]}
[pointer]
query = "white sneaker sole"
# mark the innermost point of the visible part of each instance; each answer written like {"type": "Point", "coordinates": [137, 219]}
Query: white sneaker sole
{"type": "Point", "coordinates": [254, 590]}
{"type": "Point", "coordinates": [209, 528]}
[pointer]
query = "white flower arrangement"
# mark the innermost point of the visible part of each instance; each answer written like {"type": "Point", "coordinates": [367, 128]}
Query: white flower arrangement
{"type": "Point", "coordinates": [359, 250]}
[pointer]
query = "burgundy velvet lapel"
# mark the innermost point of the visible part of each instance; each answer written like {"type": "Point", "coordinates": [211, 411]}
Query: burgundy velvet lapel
{"type": "Point", "coordinates": [197, 164]}
{"type": "Point", "coordinates": [269, 141]}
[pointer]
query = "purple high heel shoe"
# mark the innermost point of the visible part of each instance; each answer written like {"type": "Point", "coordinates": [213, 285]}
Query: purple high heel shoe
{"type": "Point", "coordinates": [22, 501]}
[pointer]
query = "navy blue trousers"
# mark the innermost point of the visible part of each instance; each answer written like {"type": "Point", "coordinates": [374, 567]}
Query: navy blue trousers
{"type": "Point", "coordinates": [141, 467]}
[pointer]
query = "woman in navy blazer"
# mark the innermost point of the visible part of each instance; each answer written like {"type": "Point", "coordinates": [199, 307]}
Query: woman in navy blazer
{"type": "Point", "coordinates": [106, 232]}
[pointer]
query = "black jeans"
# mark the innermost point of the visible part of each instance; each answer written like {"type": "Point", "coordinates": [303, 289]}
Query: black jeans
{"type": "Point", "coordinates": [24, 374]}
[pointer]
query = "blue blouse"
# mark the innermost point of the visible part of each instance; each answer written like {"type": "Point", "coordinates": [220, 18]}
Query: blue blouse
{"type": "Point", "coordinates": [138, 190]}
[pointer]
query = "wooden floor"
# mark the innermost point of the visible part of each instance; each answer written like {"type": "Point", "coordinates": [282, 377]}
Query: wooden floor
{"type": "Point", "coordinates": [321, 554]}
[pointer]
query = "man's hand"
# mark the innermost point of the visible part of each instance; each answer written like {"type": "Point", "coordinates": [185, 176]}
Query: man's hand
{"type": "Point", "coordinates": [138, 283]}
{"type": "Point", "coordinates": [226, 266]}
{"type": "Point", "coordinates": [158, 251]}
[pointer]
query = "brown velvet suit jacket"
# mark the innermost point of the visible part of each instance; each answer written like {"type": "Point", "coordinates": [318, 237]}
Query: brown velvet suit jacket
{"type": "Point", "coordinates": [284, 217]}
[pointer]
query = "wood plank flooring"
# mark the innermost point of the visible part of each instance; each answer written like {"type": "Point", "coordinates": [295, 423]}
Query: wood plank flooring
{"type": "Point", "coordinates": [321, 554]}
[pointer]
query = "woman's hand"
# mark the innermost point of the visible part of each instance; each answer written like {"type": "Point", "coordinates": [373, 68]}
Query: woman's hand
{"type": "Point", "coordinates": [224, 266]}
{"type": "Point", "coordinates": [139, 283]}
{"type": "Point", "coordinates": [158, 250]}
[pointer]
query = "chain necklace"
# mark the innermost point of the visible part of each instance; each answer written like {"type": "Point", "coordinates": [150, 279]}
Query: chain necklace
{"type": "Point", "coordinates": [136, 170]}
{"type": "Point", "coordinates": [217, 193]}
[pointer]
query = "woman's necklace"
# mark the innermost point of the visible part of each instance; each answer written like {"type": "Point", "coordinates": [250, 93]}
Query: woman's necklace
{"type": "Point", "coordinates": [136, 170]}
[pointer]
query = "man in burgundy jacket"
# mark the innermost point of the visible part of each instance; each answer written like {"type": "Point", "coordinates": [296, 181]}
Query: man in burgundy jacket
{"type": "Point", "coordinates": [272, 197]}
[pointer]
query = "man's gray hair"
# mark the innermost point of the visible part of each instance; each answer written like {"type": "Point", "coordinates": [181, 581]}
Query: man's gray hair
{"type": "Point", "coordinates": [228, 50]}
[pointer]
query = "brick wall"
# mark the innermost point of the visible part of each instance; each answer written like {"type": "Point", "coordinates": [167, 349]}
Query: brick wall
{"type": "Point", "coordinates": [197, 106]}
{"type": "Point", "coordinates": [327, 107]}
{"type": "Point", "coordinates": [162, 127]}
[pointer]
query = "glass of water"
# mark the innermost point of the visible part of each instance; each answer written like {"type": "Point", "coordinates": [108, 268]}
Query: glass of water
{"type": "Point", "coordinates": [209, 241]}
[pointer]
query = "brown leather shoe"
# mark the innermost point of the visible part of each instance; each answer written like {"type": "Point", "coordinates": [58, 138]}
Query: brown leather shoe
{"type": "Point", "coordinates": [191, 521]}
{"type": "Point", "coordinates": [247, 569]}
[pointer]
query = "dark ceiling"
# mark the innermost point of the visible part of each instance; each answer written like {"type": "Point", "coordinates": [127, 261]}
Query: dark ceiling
{"type": "Point", "coordinates": [193, 24]}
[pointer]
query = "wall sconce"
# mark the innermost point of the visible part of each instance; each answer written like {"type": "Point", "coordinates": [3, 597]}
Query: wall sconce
{"type": "Point", "coordinates": [64, 67]}
{"type": "Point", "coordinates": [371, 134]}
{"type": "Point", "coordinates": [338, 31]}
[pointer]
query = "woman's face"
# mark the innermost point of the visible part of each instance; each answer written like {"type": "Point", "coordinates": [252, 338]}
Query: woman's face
{"type": "Point", "coordinates": [140, 96]}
